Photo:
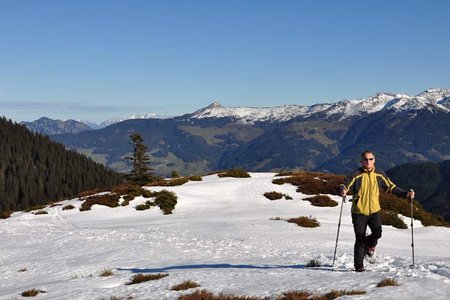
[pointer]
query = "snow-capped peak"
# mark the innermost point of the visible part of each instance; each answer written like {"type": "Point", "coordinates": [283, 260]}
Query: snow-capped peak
{"type": "Point", "coordinates": [431, 99]}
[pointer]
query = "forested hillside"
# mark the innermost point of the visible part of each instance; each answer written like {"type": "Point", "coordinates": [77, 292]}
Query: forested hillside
{"type": "Point", "coordinates": [35, 170]}
{"type": "Point", "coordinates": [431, 181]}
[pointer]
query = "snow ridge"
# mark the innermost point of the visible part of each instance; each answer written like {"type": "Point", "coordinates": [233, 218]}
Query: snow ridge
{"type": "Point", "coordinates": [431, 99]}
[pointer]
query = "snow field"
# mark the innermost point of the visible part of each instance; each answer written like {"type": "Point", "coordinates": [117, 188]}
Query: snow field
{"type": "Point", "coordinates": [220, 235]}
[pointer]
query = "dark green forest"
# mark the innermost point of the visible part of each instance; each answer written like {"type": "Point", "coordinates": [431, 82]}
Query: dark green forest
{"type": "Point", "coordinates": [35, 170]}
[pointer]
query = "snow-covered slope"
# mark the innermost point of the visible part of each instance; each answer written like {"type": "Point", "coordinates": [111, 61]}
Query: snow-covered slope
{"type": "Point", "coordinates": [432, 99]}
{"type": "Point", "coordinates": [220, 236]}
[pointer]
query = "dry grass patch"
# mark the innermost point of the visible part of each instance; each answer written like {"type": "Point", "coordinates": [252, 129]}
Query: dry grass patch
{"type": "Point", "coordinates": [188, 284]}
{"type": "Point", "coordinates": [313, 182]}
{"type": "Point", "coordinates": [276, 196]}
{"type": "Point", "coordinates": [5, 214]}
{"type": "Point", "coordinates": [106, 273]}
{"type": "Point", "coordinates": [237, 173]}
{"type": "Point", "coordinates": [139, 278]}
{"type": "Point", "coordinates": [205, 295]}
{"type": "Point", "coordinates": [304, 221]}
{"type": "Point", "coordinates": [391, 218]}
{"type": "Point", "coordinates": [31, 293]}
{"type": "Point", "coordinates": [68, 207]}
{"type": "Point", "coordinates": [110, 200]}
{"type": "Point", "coordinates": [321, 201]}
{"type": "Point", "coordinates": [388, 282]}
{"type": "Point", "coordinates": [304, 295]}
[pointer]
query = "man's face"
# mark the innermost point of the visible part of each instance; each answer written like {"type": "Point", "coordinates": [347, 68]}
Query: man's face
{"type": "Point", "coordinates": [368, 161]}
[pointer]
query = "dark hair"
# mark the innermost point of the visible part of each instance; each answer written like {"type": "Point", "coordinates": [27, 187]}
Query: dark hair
{"type": "Point", "coordinates": [363, 154]}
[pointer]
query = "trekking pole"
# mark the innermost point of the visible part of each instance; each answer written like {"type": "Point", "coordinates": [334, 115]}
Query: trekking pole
{"type": "Point", "coordinates": [339, 226]}
{"type": "Point", "coordinates": [412, 226]}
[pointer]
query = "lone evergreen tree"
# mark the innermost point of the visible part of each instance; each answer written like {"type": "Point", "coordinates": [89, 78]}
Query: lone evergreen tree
{"type": "Point", "coordinates": [141, 172]}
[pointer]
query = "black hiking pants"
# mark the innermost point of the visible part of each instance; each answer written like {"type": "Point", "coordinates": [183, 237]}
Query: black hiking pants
{"type": "Point", "coordinates": [360, 223]}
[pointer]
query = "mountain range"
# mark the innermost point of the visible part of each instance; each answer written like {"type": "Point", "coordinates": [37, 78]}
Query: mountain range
{"type": "Point", "coordinates": [326, 137]}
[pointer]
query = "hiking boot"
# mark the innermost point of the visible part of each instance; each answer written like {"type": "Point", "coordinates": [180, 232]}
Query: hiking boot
{"type": "Point", "coordinates": [361, 269]}
{"type": "Point", "coordinates": [370, 251]}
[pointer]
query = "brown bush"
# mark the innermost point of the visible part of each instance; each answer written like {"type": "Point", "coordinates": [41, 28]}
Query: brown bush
{"type": "Point", "coordinates": [68, 207]}
{"type": "Point", "coordinates": [31, 293]}
{"type": "Point", "coordinates": [90, 193]}
{"type": "Point", "coordinates": [55, 204]}
{"type": "Point", "coordinates": [273, 195]}
{"type": "Point", "coordinates": [313, 182]}
{"type": "Point", "coordinates": [195, 178]}
{"type": "Point", "coordinates": [304, 221]}
{"type": "Point", "coordinates": [125, 188]}
{"type": "Point", "coordinates": [205, 295]}
{"type": "Point", "coordinates": [304, 295]}
{"type": "Point", "coordinates": [403, 207]}
{"type": "Point", "coordinates": [139, 278]}
{"type": "Point", "coordinates": [295, 295]}
{"type": "Point", "coordinates": [41, 212]}
{"type": "Point", "coordinates": [106, 273]}
{"type": "Point", "coordinates": [5, 214]}
{"type": "Point", "coordinates": [391, 218]}
{"type": "Point", "coordinates": [110, 200]}
{"type": "Point", "coordinates": [387, 282]}
{"type": "Point", "coordinates": [237, 173]}
{"type": "Point", "coordinates": [188, 284]}
{"type": "Point", "coordinates": [321, 201]}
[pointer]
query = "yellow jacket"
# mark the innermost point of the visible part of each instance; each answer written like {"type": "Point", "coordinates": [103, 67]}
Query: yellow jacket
{"type": "Point", "coordinates": [366, 186]}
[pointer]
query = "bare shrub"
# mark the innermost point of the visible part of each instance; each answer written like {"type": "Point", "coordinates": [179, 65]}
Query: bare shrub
{"type": "Point", "coordinates": [387, 282]}
{"type": "Point", "coordinates": [143, 206]}
{"type": "Point", "coordinates": [68, 207]}
{"type": "Point", "coordinates": [166, 201]}
{"type": "Point", "coordinates": [195, 178]}
{"type": "Point", "coordinates": [139, 278]}
{"type": "Point", "coordinates": [31, 293]}
{"type": "Point", "coordinates": [110, 200]}
{"type": "Point", "coordinates": [55, 204]}
{"type": "Point", "coordinates": [277, 219]}
{"type": "Point", "coordinates": [313, 182]}
{"type": "Point", "coordinates": [129, 297]}
{"type": "Point", "coordinates": [106, 273]}
{"type": "Point", "coordinates": [41, 212]}
{"type": "Point", "coordinates": [188, 284]}
{"type": "Point", "coordinates": [391, 218]}
{"type": "Point", "coordinates": [125, 188]}
{"type": "Point", "coordinates": [5, 214]}
{"type": "Point", "coordinates": [205, 295]}
{"type": "Point", "coordinates": [304, 221]}
{"type": "Point", "coordinates": [273, 195]}
{"type": "Point", "coordinates": [295, 295]}
{"type": "Point", "coordinates": [237, 173]}
{"type": "Point", "coordinates": [321, 201]}
{"type": "Point", "coordinates": [22, 270]}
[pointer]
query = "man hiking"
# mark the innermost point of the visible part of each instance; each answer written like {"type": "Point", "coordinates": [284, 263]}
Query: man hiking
{"type": "Point", "coordinates": [366, 183]}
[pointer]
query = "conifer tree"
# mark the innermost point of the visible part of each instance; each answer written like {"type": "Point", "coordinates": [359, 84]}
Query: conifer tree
{"type": "Point", "coordinates": [141, 172]}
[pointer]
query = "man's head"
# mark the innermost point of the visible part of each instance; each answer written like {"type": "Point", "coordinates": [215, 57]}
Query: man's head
{"type": "Point", "coordinates": [367, 159]}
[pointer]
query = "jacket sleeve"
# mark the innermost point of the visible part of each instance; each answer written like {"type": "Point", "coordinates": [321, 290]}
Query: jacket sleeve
{"type": "Point", "coordinates": [348, 182]}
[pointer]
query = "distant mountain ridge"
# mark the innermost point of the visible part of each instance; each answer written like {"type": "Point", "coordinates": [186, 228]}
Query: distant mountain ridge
{"type": "Point", "coordinates": [323, 137]}
{"type": "Point", "coordinates": [49, 126]}
{"type": "Point", "coordinates": [431, 99]}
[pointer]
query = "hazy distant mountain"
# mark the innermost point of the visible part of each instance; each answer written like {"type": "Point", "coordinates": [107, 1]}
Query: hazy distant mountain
{"type": "Point", "coordinates": [326, 137]}
{"type": "Point", "coordinates": [49, 126]}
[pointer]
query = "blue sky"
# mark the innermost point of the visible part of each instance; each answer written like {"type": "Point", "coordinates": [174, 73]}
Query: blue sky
{"type": "Point", "coordinates": [97, 59]}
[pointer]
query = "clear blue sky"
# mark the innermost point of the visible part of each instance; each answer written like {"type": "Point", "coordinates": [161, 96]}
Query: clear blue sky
{"type": "Point", "coordinates": [96, 59]}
